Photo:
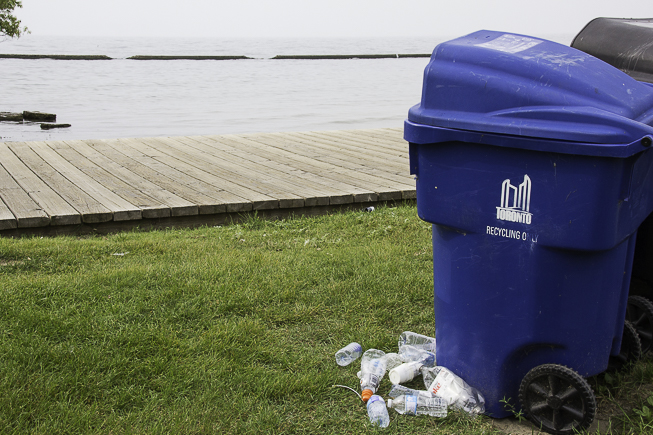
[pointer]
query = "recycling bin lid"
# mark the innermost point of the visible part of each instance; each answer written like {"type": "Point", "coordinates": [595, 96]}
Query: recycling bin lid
{"type": "Point", "coordinates": [625, 43]}
{"type": "Point", "coordinates": [520, 91]}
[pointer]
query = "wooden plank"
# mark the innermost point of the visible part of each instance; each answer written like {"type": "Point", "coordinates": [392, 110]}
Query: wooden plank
{"type": "Point", "coordinates": [27, 212]}
{"type": "Point", "coordinates": [326, 151]}
{"type": "Point", "coordinates": [204, 182]}
{"type": "Point", "coordinates": [149, 207]}
{"type": "Point", "coordinates": [335, 191]}
{"type": "Point", "coordinates": [390, 134]}
{"type": "Point", "coordinates": [168, 178]}
{"type": "Point", "coordinates": [382, 151]}
{"type": "Point", "coordinates": [89, 210]}
{"type": "Point", "coordinates": [296, 155]}
{"type": "Point", "coordinates": [178, 206]}
{"type": "Point", "coordinates": [258, 182]}
{"type": "Point", "coordinates": [322, 194]}
{"type": "Point", "coordinates": [346, 150]}
{"type": "Point", "coordinates": [385, 144]}
{"type": "Point", "coordinates": [378, 167]}
{"type": "Point", "coordinates": [349, 170]}
{"type": "Point", "coordinates": [260, 178]}
{"type": "Point", "coordinates": [60, 212]}
{"type": "Point", "coordinates": [197, 165]}
{"type": "Point", "coordinates": [7, 218]}
{"type": "Point", "coordinates": [248, 164]}
{"type": "Point", "coordinates": [120, 208]}
{"type": "Point", "coordinates": [236, 200]}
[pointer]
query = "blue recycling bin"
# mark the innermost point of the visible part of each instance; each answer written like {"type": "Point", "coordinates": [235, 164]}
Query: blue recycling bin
{"type": "Point", "coordinates": [533, 162]}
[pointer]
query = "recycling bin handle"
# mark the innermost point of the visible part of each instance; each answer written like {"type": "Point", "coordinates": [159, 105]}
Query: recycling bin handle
{"type": "Point", "coordinates": [412, 158]}
{"type": "Point", "coordinates": [638, 171]}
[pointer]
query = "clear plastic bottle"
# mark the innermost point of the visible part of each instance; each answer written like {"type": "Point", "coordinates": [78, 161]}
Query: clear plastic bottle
{"type": "Point", "coordinates": [455, 391]}
{"type": "Point", "coordinates": [428, 374]}
{"type": "Point", "coordinates": [410, 353]}
{"type": "Point", "coordinates": [405, 372]}
{"type": "Point", "coordinates": [419, 405]}
{"type": "Point", "coordinates": [372, 371]}
{"type": "Point", "coordinates": [400, 390]}
{"type": "Point", "coordinates": [392, 360]}
{"type": "Point", "coordinates": [377, 411]}
{"type": "Point", "coordinates": [348, 354]}
{"type": "Point", "coordinates": [408, 338]}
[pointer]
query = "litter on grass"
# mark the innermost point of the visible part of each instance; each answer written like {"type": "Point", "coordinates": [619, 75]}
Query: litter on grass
{"type": "Point", "coordinates": [416, 356]}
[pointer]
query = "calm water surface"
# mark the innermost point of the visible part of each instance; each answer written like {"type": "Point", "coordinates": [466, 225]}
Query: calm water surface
{"type": "Point", "coordinates": [129, 98]}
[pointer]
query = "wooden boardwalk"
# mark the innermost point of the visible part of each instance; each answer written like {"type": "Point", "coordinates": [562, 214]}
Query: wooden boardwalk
{"type": "Point", "coordinates": [82, 186]}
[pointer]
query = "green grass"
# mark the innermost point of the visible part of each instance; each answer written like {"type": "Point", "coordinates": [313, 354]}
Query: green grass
{"type": "Point", "coordinates": [218, 330]}
{"type": "Point", "coordinates": [225, 330]}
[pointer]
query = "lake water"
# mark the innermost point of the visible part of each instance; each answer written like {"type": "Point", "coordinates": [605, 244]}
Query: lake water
{"type": "Point", "coordinates": [131, 98]}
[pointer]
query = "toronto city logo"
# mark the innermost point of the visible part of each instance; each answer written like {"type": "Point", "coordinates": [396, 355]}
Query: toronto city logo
{"type": "Point", "coordinates": [515, 202]}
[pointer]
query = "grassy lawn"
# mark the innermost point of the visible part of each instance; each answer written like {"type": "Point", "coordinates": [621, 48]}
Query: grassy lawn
{"type": "Point", "coordinates": [226, 330]}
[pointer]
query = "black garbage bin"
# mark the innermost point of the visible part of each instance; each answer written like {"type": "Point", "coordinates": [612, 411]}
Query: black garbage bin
{"type": "Point", "coordinates": [627, 44]}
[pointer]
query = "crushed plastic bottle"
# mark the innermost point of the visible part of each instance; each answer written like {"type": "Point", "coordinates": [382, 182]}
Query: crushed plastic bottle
{"type": "Point", "coordinates": [392, 360]}
{"type": "Point", "coordinates": [405, 372]}
{"type": "Point", "coordinates": [408, 338]}
{"type": "Point", "coordinates": [377, 411]}
{"type": "Point", "coordinates": [348, 354]}
{"type": "Point", "coordinates": [455, 391]}
{"type": "Point", "coordinates": [419, 405]}
{"type": "Point", "coordinates": [429, 374]}
{"type": "Point", "coordinates": [372, 370]}
{"type": "Point", "coordinates": [409, 353]}
{"type": "Point", "coordinates": [400, 390]}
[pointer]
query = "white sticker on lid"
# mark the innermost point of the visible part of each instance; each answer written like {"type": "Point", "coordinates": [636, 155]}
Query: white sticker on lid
{"type": "Point", "coordinates": [510, 43]}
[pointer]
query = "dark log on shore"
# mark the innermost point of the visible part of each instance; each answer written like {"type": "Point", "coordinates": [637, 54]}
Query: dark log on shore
{"type": "Point", "coordinates": [51, 126]}
{"type": "Point", "coordinates": [348, 56]}
{"type": "Point", "coordinates": [56, 56]}
{"type": "Point", "coordinates": [39, 117]}
{"type": "Point", "coordinates": [8, 116]}
{"type": "Point", "coordinates": [188, 57]}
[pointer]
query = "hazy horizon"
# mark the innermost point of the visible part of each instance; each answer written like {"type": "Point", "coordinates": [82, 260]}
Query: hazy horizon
{"type": "Point", "coordinates": [335, 18]}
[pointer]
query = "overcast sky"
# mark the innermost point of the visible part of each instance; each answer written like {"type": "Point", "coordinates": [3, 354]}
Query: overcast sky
{"type": "Point", "coordinates": [318, 18]}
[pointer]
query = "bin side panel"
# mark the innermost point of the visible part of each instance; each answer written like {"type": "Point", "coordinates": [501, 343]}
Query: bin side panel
{"type": "Point", "coordinates": [504, 306]}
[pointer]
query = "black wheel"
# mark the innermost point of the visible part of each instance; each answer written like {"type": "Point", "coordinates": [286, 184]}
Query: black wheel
{"type": "Point", "coordinates": [639, 312]}
{"type": "Point", "coordinates": [557, 399]}
{"type": "Point", "coordinates": [631, 349]}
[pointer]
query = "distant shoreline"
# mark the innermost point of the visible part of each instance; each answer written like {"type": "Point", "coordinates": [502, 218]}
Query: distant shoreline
{"type": "Point", "coordinates": [56, 56]}
{"type": "Point", "coordinates": [181, 57]}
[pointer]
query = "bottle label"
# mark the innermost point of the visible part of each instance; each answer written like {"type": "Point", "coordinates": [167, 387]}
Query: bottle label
{"type": "Point", "coordinates": [369, 380]}
{"type": "Point", "coordinates": [443, 386]}
{"type": "Point", "coordinates": [410, 405]}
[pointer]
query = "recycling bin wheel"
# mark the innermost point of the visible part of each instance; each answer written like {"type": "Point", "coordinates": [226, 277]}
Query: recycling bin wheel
{"type": "Point", "coordinates": [557, 399]}
{"type": "Point", "coordinates": [639, 312]}
{"type": "Point", "coordinates": [631, 349]}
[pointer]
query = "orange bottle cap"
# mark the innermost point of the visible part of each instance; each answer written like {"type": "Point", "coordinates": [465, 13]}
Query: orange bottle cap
{"type": "Point", "coordinates": [366, 394]}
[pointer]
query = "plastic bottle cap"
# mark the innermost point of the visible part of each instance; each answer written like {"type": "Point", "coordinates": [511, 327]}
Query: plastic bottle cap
{"type": "Point", "coordinates": [389, 403]}
{"type": "Point", "coordinates": [366, 394]}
